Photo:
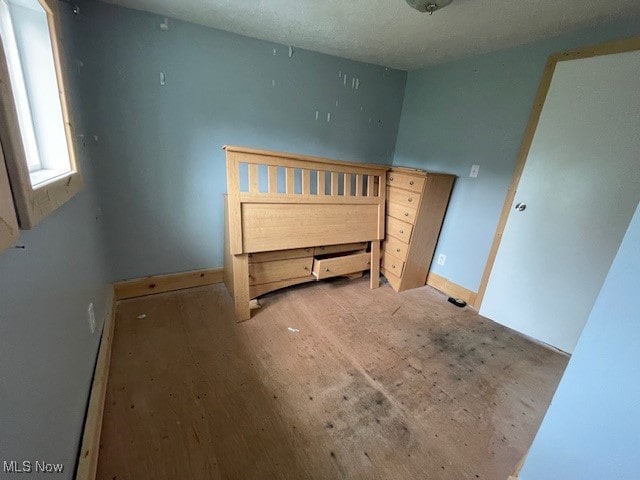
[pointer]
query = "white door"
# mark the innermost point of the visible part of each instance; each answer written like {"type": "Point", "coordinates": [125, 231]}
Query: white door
{"type": "Point", "coordinates": [580, 185]}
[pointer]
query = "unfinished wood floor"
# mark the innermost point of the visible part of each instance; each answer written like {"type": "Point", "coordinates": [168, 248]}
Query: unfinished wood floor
{"type": "Point", "coordinates": [327, 381]}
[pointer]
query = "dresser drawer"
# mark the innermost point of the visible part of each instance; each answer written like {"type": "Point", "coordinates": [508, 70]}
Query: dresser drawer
{"type": "Point", "coordinates": [403, 197]}
{"type": "Point", "coordinates": [392, 264]}
{"type": "Point", "coordinates": [408, 182]}
{"type": "Point", "coordinates": [280, 255]}
{"type": "Point", "coordinates": [345, 247]}
{"type": "Point", "coordinates": [333, 267]}
{"type": "Point", "coordinates": [396, 247]}
{"type": "Point", "coordinates": [399, 229]}
{"type": "Point", "coordinates": [267, 272]}
{"type": "Point", "coordinates": [401, 212]}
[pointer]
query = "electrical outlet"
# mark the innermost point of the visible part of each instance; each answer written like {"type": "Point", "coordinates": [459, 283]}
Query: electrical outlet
{"type": "Point", "coordinates": [474, 171]}
{"type": "Point", "coordinates": [441, 259]}
{"type": "Point", "coordinates": [92, 318]}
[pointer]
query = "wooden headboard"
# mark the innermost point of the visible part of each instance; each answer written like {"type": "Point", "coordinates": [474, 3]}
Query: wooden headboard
{"type": "Point", "coordinates": [282, 201]}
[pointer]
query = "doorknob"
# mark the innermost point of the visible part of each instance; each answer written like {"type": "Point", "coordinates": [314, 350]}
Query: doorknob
{"type": "Point", "coordinates": [521, 206]}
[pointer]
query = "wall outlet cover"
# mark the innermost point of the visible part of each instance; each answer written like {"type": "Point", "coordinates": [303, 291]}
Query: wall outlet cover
{"type": "Point", "coordinates": [441, 259]}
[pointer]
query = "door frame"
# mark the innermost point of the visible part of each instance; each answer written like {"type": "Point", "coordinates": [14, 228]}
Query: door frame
{"type": "Point", "coordinates": [609, 48]}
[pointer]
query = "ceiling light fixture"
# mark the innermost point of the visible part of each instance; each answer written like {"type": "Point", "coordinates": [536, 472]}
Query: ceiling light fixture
{"type": "Point", "coordinates": [428, 5]}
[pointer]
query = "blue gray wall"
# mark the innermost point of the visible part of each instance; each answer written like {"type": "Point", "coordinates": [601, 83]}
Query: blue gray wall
{"type": "Point", "coordinates": [591, 429]}
{"type": "Point", "coordinates": [47, 352]}
{"type": "Point", "coordinates": [474, 111]}
{"type": "Point", "coordinates": [158, 151]}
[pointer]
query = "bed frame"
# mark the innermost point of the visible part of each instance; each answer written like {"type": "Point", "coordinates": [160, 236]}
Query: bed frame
{"type": "Point", "coordinates": [291, 219]}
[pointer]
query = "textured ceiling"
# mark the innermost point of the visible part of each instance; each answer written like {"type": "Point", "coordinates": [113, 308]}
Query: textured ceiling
{"type": "Point", "coordinates": [389, 32]}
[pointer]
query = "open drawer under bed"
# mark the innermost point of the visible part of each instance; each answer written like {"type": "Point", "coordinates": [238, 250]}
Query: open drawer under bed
{"type": "Point", "coordinates": [269, 271]}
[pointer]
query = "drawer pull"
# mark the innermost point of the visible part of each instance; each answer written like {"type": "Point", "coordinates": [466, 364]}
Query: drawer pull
{"type": "Point", "coordinates": [398, 250]}
{"type": "Point", "coordinates": [401, 231]}
{"type": "Point", "coordinates": [410, 199]}
{"type": "Point", "coordinates": [306, 268]}
{"type": "Point", "coordinates": [391, 179]}
{"type": "Point", "coordinates": [411, 182]}
{"type": "Point", "coordinates": [393, 266]}
{"type": "Point", "coordinates": [307, 249]}
{"type": "Point", "coordinates": [406, 214]}
{"type": "Point", "coordinates": [327, 270]}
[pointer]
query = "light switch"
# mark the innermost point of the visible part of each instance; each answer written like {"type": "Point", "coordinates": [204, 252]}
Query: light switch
{"type": "Point", "coordinates": [474, 171]}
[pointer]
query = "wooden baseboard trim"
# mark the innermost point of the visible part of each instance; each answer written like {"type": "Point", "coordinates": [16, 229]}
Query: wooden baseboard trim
{"type": "Point", "coordinates": [140, 287]}
{"type": "Point", "coordinates": [90, 447]}
{"type": "Point", "coordinates": [452, 289]}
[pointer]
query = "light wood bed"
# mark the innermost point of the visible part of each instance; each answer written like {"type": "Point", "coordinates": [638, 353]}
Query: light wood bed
{"type": "Point", "coordinates": [291, 219]}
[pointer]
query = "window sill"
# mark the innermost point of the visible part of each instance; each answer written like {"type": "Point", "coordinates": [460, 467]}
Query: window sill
{"type": "Point", "coordinates": [36, 202]}
{"type": "Point", "coordinates": [44, 176]}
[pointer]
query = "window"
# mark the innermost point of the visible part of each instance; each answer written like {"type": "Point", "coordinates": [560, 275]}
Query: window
{"type": "Point", "coordinates": [34, 130]}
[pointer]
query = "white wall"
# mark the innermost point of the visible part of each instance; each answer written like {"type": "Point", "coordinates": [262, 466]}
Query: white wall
{"type": "Point", "coordinates": [592, 429]}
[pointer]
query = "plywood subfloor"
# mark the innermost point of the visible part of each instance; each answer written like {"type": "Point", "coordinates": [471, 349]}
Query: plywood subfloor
{"type": "Point", "coordinates": [327, 381]}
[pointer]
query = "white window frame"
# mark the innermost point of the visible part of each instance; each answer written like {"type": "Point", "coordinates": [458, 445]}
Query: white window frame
{"type": "Point", "coordinates": [34, 202]}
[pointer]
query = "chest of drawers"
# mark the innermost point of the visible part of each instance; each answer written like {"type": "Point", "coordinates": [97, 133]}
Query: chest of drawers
{"type": "Point", "coordinates": [416, 205]}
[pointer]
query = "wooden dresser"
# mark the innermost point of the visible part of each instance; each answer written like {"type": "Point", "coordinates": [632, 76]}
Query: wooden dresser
{"type": "Point", "coordinates": [416, 204]}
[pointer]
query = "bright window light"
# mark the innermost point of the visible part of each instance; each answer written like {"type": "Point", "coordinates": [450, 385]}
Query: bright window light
{"type": "Point", "coordinates": [27, 44]}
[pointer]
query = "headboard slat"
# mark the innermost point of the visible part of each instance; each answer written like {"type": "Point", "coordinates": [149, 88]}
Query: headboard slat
{"type": "Point", "coordinates": [290, 180]}
{"type": "Point", "coordinates": [370, 186]}
{"type": "Point", "coordinates": [272, 177]}
{"type": "Point", "coordinates": [322, 182]}
{"type": "Point", "coordinates": [253, 178]}
{"type": "Point", "coordinates": [334, 184]}
{"type": "Point", "coordinates": [306, 181]}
